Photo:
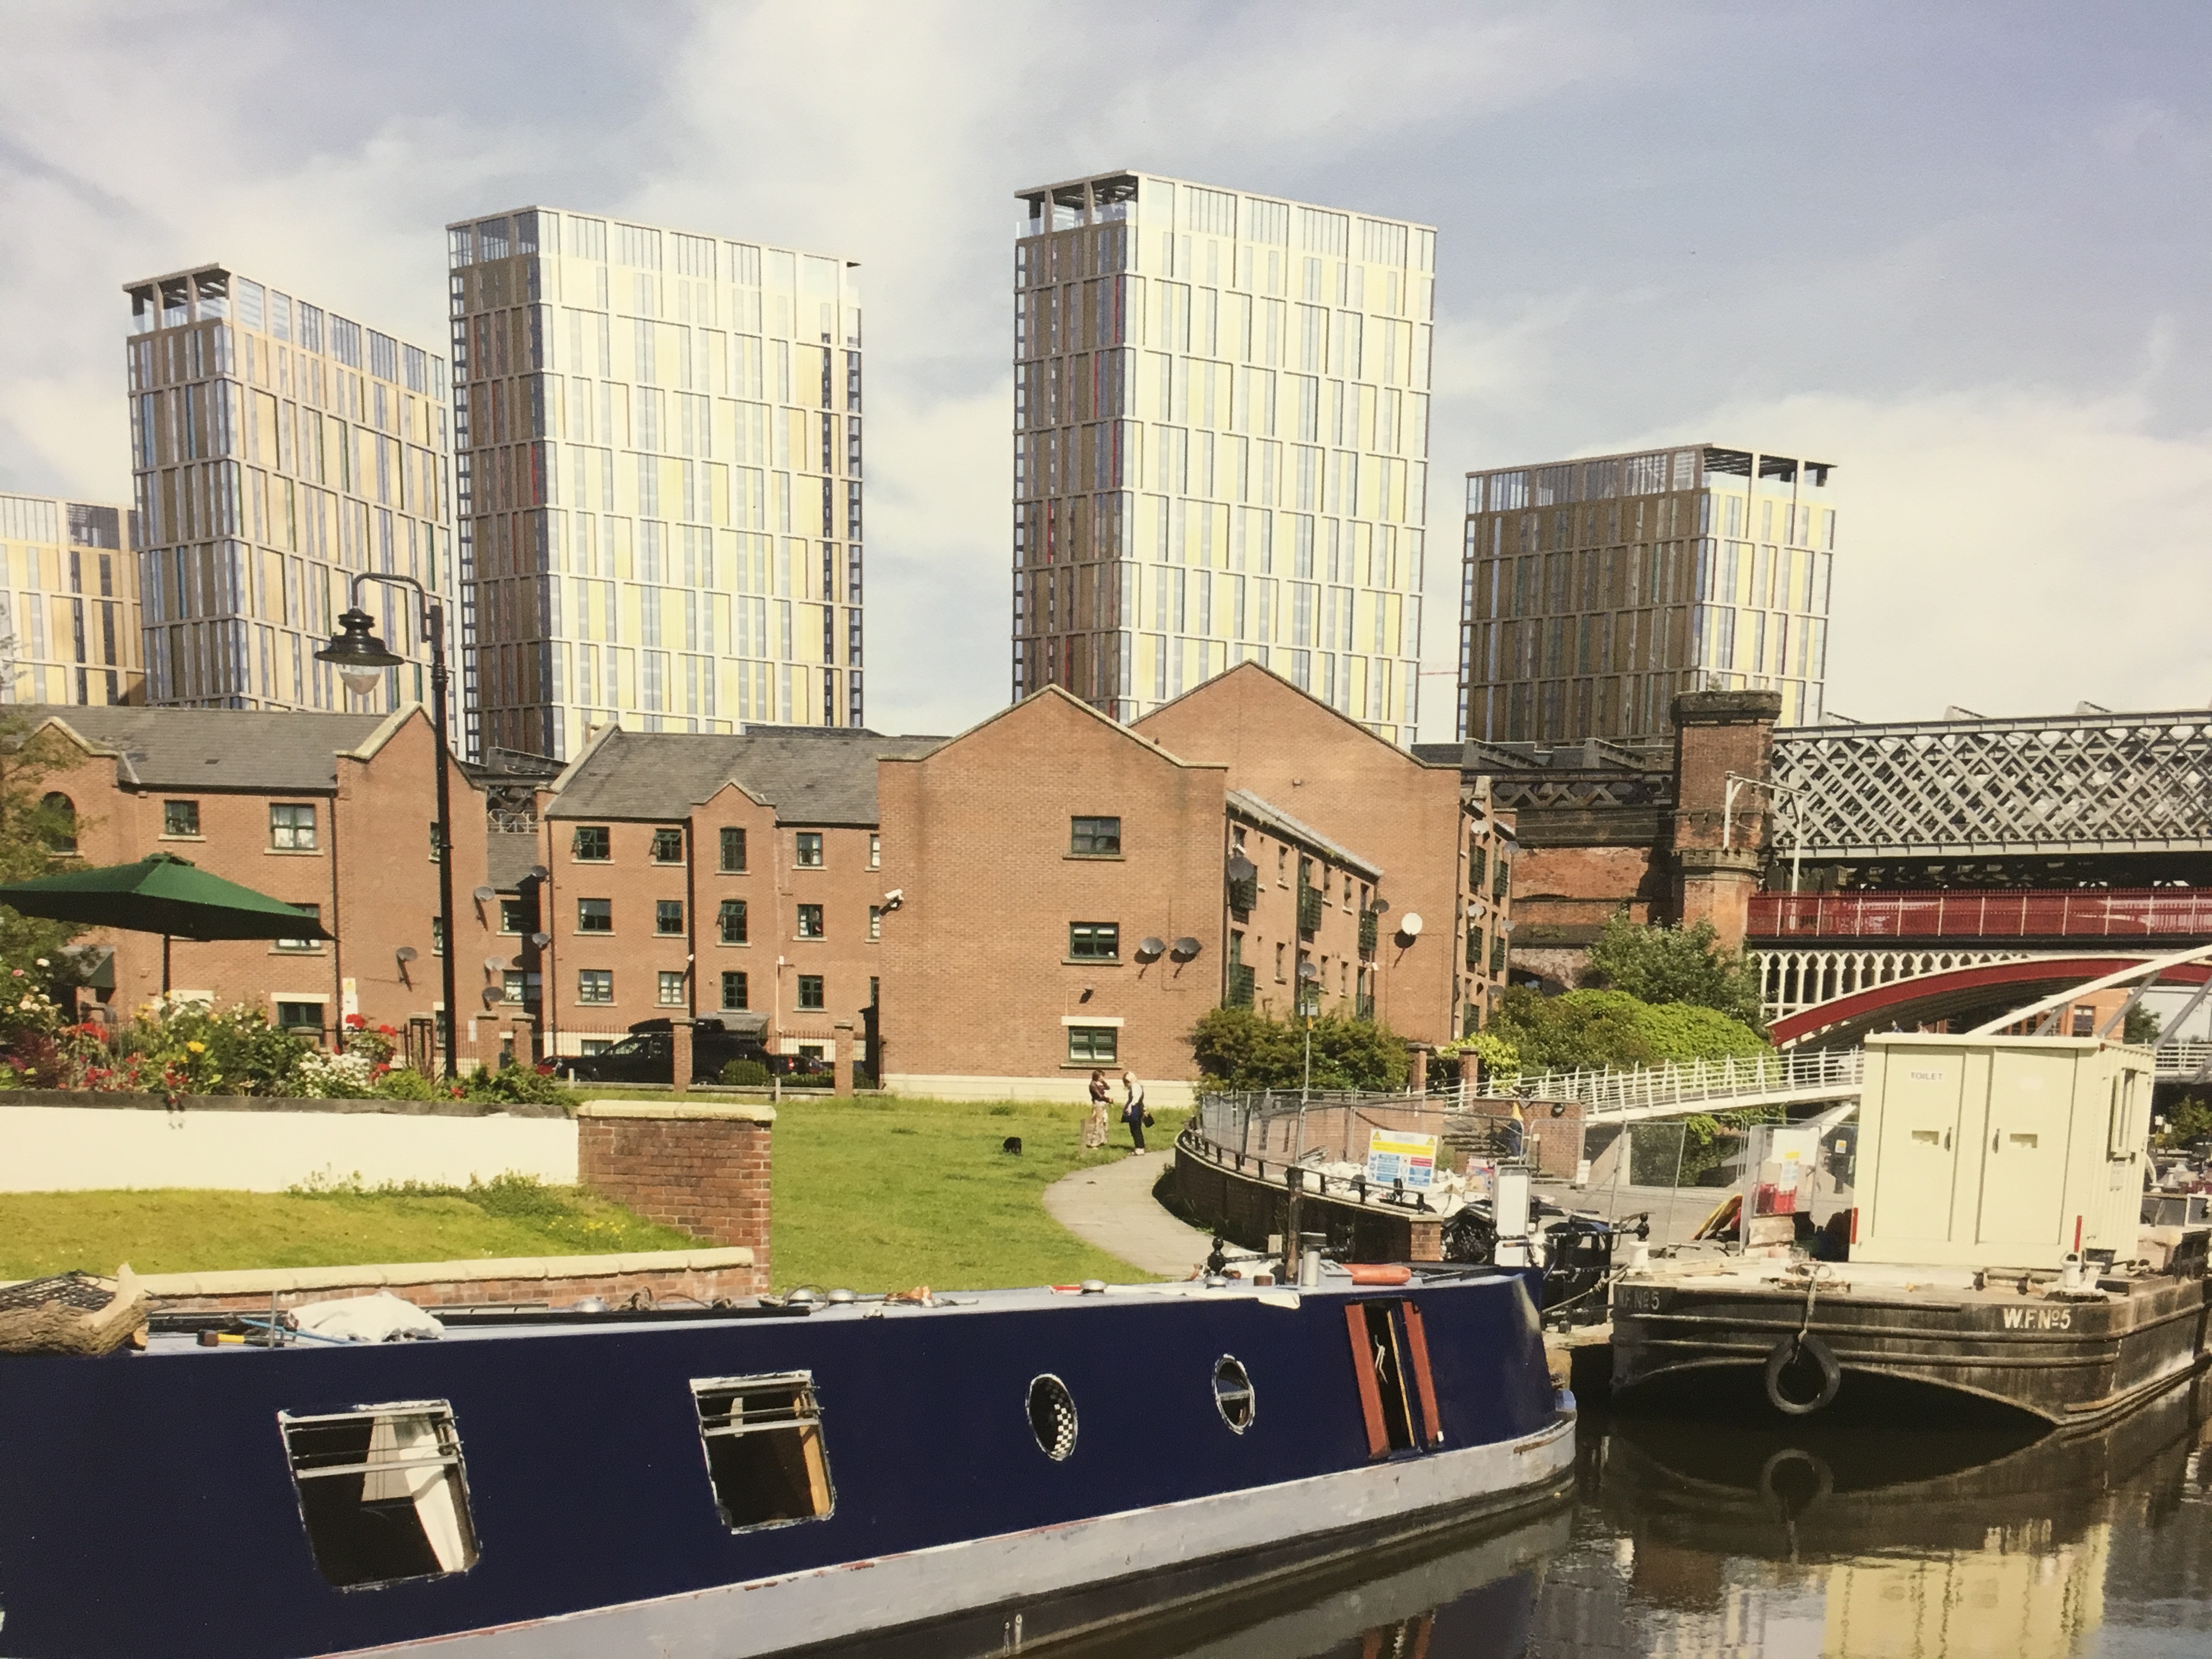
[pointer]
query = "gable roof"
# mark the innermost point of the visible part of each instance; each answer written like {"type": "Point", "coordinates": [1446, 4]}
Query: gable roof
{"type": "Point", "coordinates": [254, 750]}
{"type": "Point", "coordinates": [1039, 696]}
{"type": "Point", "coordinates": [1214, 686]}
{"type": "Point", "coordinates": [810, 774]}
{"type": "Point", "coordinates": [1265, 815]}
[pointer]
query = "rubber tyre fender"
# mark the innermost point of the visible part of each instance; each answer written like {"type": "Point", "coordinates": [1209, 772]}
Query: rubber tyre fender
{"type": "Point", "coordinates": [1783, 1356]}
{"type": "Point", "coordinates": [1824, 1482]}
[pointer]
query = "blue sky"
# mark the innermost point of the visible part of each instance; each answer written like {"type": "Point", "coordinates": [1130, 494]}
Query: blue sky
{"type": "Point", "coordinates": [1961, 252]}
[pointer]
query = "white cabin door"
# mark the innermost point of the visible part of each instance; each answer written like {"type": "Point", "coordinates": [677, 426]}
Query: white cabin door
{"type": "Point", "coordinates": [2024, 1150]}
{"type": "Point", "coordinates": [1919, 1149]}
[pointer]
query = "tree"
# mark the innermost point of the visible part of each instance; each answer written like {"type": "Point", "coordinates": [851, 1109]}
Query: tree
{"type": "Point", "coordinates": [1587, 1030]}
{"type": "Point", "coordinates": [1658, 964]}
{"type": "Point", "coordinates": [32, 832]}
{"type": "Point", "coordinates": [2142, 1027]}
{"type": "Point", "coordinates": [2187, 1119]}
{"type": "Point", "coordinates": [1244, 1048]}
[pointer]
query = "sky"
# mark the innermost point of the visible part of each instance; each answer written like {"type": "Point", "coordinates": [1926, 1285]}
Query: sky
{"type": "Point", "coordinates": [1960, 252]}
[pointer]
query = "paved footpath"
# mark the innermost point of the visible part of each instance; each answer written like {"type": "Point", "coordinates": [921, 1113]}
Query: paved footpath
{"type": "Point", "coordinates": [1112, 1206]}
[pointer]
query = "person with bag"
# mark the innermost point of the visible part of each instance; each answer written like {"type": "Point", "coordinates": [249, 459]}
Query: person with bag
{"type": "Point", "coordinates": [1132, 1110]}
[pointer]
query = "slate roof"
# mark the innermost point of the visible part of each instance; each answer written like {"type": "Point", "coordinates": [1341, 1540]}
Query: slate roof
{"type": "Point", "coordinates": [810, 774]}
{"type": "Point", "coordinates": [262, 751]}
{"type": "Point", "coordinates": [1267, 815]}
{"type": "Point", "coordinates": [507, 858]}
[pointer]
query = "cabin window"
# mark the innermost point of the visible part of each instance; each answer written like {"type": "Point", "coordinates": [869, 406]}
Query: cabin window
{"type": "Point", "coordinates": [382, 1491]}
{"type": "Point", "coordinates": [1052, 1418]}
{"type": "Point", "coordinates": [1232, 1393]}
{"type": "Point", "coordinates": [763, 1437]}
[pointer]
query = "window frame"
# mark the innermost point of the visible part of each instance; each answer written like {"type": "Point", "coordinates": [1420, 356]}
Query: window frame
{"type": "Point", "coordinates": [1088, 1053]}
{"type": "Point", "coordinates": [607, 911]}
{"type": "Point", "coordinates": [669, 988]}
{"type": "Point", "coordinates": [732, 835]}
{"type": "Point", "coordinates": [517, 906]}
{"type": "Point", "coordinates": [448, 1457]}
{"type": "Point", "coordinates": [1083, 843]}
{"type": "Point", "coordinates": [1080, 932]}
{"type": "Point", "coordinates": [806, 840]}
{"type": "Point", "coordinates": [302, 947]}
{"type": "Point", "coordinates": [744, 990]}
{"type": "Point", "coordinates": [169, 831]}
{"type": "Point", "coordinates": [805, 1415]}
{"type": "Point", "coordinates": [821, 1003]}
{"type": "Point", "coordinates": [662, 834]}
{"type": "Point", "coordinates": [591, 980]}
{"type": "Point", "coordinates": [730, 910]}
{"type": "Point", "coordinates": [279, 830]}
{"type": "Point", "coordinates": [661, 917]}
{"type": "Point", "coordinates": [807, 922]}
{"type": "Point", "coordinates": [602, 836]}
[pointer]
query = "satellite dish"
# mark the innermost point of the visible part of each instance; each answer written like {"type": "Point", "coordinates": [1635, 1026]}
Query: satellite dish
{"type": "Point", "coordinates": [1379, 905]}
{"type": "Point", "coordinates": [1242, 869]}
{"type": "Point", "coordinates": [485, 894]}
{"type": "Point", "coordinates": [492, 994]}
{"type": "Point", "coordinates": [539, 873]}
{"type": "Point", "coordinates": [1476, 910]}
{"type": "Point", "coordinates": [1410, 924]}
{"type": "Point", "coordinates": [541, 940]}
{"type": "Point", "coordinates": [405, 953]}
{"type": "Point", "coordinates": [1149, 949]}
{"type": "Point", "coordinates": [494, 964]}
{"type": "Point", "coordinates": [1306, 971]}
{"type": "Point", "coordinates": [1185, 948]}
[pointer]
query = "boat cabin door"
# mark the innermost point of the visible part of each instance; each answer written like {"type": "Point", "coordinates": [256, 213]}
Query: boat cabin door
{"type": "Point", "coordinates": [1390, 1365]}
{"type": "Point", "coordinates": [1918, 1147]}
{"type": "Point", "coordinates": [2024, 1153]}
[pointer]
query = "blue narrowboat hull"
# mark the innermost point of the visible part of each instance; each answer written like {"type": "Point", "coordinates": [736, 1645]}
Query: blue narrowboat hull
{"type": "Point", "coordinates": [148, 1503]}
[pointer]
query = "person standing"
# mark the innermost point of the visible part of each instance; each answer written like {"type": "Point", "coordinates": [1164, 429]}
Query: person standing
{"type": "Point", "coordinates": [1094, 1125]}
{"type": "Point", "coordinates": [1132, 1109]}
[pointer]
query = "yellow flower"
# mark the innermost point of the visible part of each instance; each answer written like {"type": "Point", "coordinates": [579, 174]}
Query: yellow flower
{"type": "Point", "coordinates": [196, 1048]}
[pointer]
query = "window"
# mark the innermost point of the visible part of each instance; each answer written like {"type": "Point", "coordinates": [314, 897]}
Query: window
{"type": "Point", "coordinates": [595, 916]}
{"type": "Point", "coordinates": [595, 985]}
{"type": "Point", "coordinates": [314, 912]}
{"type": "Point", "coordinates": [2085, 1021]}
{"type": "Point", "coordinates": [672, 989]}
{"type": "Point", "coordinates": [302, 1018]}
{"type": "Point", "coordinates": [734, 991]}
{"type": "Point", "coordinates": [512, 915]}
{"type": "Point", "coordinates": [1279, 964]}
{"type": "Point", "coordinates": [292, 829]}
{"type": "Point", "coordinates": [1093, 1045]}
{"type": "Point", "coordinates": [668, 916]}
{"type": "Point", "coordinates": [1094, 837]}
{"type": "Point", "coordinates": [437, 936]}
{"type": "Point", "coordinates": [1052, 1418]}
{"type": "Point", "coordinates": [592, 844]}
{"type": "Point", "coordinates": [1093, 941]}
{"type": "Point", "coordinates": [61, 822]}
{"type": "Point", "coordinates": [875, 852]}
{"type": "Point", "coordinates": [516, 986]}
{"type": "Point", "coordinates": [810, 992]}
{"type": "Point", "coordinates": [1232, 1393]}
{"type": "Point", "coordinates": [810, 922]}
{"type": "Point", "coordinates": [382, 1491]}
{"type": "Point", "coordinates": [809, 856]}
{"type": "Point", "coordinates": [731, 919]}
{"type": "Point", "coordinates": [181, 818]}
{"type": "Point", "coordinates": [762, 1435]}
{"type": "Point", "coordinates": [734, 853]}
{"type": "Point", "coordinates": [437, 846]}
{"type": "Point", "coordinates": [589, 1046]}
{"type": "Point", "coordinates": [668, 846]}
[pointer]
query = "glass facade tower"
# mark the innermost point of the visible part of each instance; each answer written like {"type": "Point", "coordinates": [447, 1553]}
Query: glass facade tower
{"type": "Point", "coordinates": [276, 449]}
{"type": "Point", "coordinates": [659, 479]}
{"type": "Point", "coordinates": [68, 603]}
{"type": "Point", "coordinates": [1221, 417]}
{"type": "Point", "coordinates": [1593, 591]}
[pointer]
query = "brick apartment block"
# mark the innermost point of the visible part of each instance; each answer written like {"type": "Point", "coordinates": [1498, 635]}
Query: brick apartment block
{"type": "Point", "coordinates": [698, 873]}
{"type": "Point", "coordinates": [332, 811]}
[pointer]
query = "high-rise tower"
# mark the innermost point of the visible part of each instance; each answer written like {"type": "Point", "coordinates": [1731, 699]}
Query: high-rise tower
{"type": "Point", "coordinates": [277, 448]}
{"type": "Point", "coordinates": [68, 603]}
{"type": "Point", "coordinates": [658, 437]}
{"type": "Point", "coordinates": [1595, 590]}
{"type": "Point", "coordinates": [1221, 417]}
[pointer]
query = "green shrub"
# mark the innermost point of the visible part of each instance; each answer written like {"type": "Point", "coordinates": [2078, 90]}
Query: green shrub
{"type": "Point", "coordinates": [1664, 965]}
{"type": "Point", "coordinates": [1591, 1029]}
{"type": "Point", "coordinates": [1244, 1048]}
{"type": "Point", "coordinates": [404, 1083]}
{"type": "Point", "coordinates": [744, 1074]}
{"type": "Point", "coordinates": [512, 1085]}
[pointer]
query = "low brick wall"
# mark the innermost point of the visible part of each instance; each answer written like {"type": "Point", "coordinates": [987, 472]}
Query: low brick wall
{"type": "Point", "coordinates": [1247, 1206]}
{"type": "Point", "coordinates": [700, 1169]}
{"type": "Point", "coordinates": [557, 1280]}
{"type": "Point", "coordinates": [1552, 1143]}
{"type": "Point", "coordinates": [122, 1101]}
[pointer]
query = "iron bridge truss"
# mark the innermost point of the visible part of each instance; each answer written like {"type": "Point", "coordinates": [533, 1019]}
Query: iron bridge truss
{"type": "Point", "coordinates": [2055, 784]}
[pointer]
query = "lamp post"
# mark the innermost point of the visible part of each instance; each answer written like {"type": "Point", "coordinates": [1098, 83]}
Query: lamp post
{"type": "Point", "coordinates": [361, 658]}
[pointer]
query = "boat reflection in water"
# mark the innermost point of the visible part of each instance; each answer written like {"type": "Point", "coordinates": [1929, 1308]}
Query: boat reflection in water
{"type": "Point", "coordinates": [1852, 1540]}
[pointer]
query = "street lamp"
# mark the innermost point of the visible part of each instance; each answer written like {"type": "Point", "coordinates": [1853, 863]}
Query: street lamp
{"type": "Point", "coordinates": [361, 658]}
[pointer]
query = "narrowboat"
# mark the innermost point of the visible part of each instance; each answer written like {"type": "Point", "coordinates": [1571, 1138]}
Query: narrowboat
{"type": "Point", "coordinates": [973, 1474]}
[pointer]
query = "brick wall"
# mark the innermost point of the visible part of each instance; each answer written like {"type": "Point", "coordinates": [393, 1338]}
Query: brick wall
{"type": "Point", "coordinates": [1718, 733]}
{"type": "Point", "coordinates": [702, 1169]}
{"type": "Point", "coordinates": [1247, 1210]}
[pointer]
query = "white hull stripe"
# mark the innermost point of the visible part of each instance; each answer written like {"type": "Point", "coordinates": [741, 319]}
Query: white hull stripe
{"type": "Point", "coordinates": [855, 1598]}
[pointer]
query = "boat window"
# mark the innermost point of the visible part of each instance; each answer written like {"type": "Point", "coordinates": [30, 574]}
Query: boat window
{"type": "Point", "coordinates": [1232, 1393]}
{"type": "Point", "coordinates": [763, 1441]}
{"type": "Point", "coordinates": [1381, 1376]}
{"type": "Point", "coordinates": [382, 1491]}
{"type": "Point", "coordinates": [1052, 1418]}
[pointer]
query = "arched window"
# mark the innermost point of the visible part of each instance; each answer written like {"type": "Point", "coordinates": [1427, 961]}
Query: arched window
{"type": "Point", "coordinates": [61, 822]}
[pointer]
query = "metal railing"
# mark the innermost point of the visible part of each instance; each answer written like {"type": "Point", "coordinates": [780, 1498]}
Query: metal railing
{"type": "Point", "coordinates": [1738, 1079]}
{"type": "Point", "coordinates": [2067, 912]}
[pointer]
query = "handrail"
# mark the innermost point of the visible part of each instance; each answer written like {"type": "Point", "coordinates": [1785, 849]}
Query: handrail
{"type": "Point", "coordinates": [1686, 1083]}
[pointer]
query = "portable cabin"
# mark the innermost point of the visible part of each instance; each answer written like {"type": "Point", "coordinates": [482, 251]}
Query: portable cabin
{"type": "Point", "coordinates": [2000, 1152]}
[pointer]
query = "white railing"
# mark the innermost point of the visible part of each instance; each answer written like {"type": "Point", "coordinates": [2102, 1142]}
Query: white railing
{"type": "Point", "coordinates": [1739, 1080]}
{"type": "Point", "coordinates": [2183, 1061]}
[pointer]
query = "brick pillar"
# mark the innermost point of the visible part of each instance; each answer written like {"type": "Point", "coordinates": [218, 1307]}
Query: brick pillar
{"type": "Point", "coordinates": [1719, 851]}
{"type": "Point", "coordinates": [1420, 1052]}
{"type": "Point", "coordinates": [841, 1058]}
{"type": "Point", "coordinates": [679, 1035]}
{"type": "Point", "coordinates": [702, 1169]}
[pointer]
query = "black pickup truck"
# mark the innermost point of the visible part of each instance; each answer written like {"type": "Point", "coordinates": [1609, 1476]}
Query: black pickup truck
{"type": "Point", "coordinates": [647, 1054]}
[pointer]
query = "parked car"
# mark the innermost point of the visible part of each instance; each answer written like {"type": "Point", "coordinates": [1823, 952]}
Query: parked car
{"type": "Point", "coordinates": [647, 1054]}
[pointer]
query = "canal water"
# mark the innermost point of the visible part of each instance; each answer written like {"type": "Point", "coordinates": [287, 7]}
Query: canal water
{"type": "Point", "coordinates": [1884, 1537]}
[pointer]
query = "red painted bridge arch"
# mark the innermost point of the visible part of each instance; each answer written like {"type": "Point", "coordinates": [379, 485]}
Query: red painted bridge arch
{"type": "Point", "coordinates": [1986, 990]}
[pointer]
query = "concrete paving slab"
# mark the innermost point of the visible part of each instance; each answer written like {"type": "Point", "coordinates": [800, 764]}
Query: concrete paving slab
{"type": "Point", "coordinates": [1112, 1207]}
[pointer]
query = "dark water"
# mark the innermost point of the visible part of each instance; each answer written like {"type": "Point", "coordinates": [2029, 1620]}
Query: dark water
{"type": "Point", "coordinates": [1890, 1538]}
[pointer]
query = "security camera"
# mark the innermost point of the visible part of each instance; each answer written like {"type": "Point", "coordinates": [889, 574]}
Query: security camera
{"type": "Point", "coordinates": [896, 897]}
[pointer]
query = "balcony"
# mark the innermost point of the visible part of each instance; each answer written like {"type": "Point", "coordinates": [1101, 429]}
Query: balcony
{"type": "Point", "coordinates": [2160, 912]}
{"type": "Point", "coordinates": [1309, 907]}
{"type": "Point", "coordinates": [1243, 894]}
{"type": "Point", "coordinates": [1370, 930]}
{"type": "Point", "coordinates": [1240, 980]}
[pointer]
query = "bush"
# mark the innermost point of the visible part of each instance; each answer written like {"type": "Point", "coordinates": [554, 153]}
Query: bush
{"type": "Point", "coordinates": [1244, 1048]}
{"type": "Point", "coordinates": [744, 1074]}
{"type": "Point", "coordinates": [512, 1085]}
{"type": "Point", "coordinates": [404, 1083]}
{"type": "Point", "coordinates": [1591, 1029]}
{"type": "Point", "coordinates": [1662, 965]}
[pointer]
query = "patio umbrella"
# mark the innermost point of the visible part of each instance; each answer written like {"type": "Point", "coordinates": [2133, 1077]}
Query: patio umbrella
{"type": "Point", "coordinates": [161, 894]}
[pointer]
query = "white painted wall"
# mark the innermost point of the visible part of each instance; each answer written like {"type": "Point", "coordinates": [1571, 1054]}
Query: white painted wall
{"type": "Point", "coordinates": [74, 1148]}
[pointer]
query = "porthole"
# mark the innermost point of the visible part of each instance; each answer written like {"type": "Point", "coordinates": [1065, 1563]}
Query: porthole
{"type": "Point", "coordinates": [1052, 1418]}
{"type": "Point", "coordinates": [1232, 1393]}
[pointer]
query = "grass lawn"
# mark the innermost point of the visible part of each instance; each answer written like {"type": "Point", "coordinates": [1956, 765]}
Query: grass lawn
{"type": "Point", "coordinates": [874, 1193]}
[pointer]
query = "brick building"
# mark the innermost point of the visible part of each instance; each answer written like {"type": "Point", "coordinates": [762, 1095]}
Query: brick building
{"type": "Point", "coordinates": [332, 812]}
{"type": "Point", "coordinates": [695, 873]}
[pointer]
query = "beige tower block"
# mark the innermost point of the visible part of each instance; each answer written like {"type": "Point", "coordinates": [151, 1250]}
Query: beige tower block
{"type": "Point", "coordinates": [2000, 1152]}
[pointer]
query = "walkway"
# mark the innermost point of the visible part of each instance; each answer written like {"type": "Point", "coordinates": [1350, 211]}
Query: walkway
{"type": "Point", "coordinates": [1111, 1207]}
